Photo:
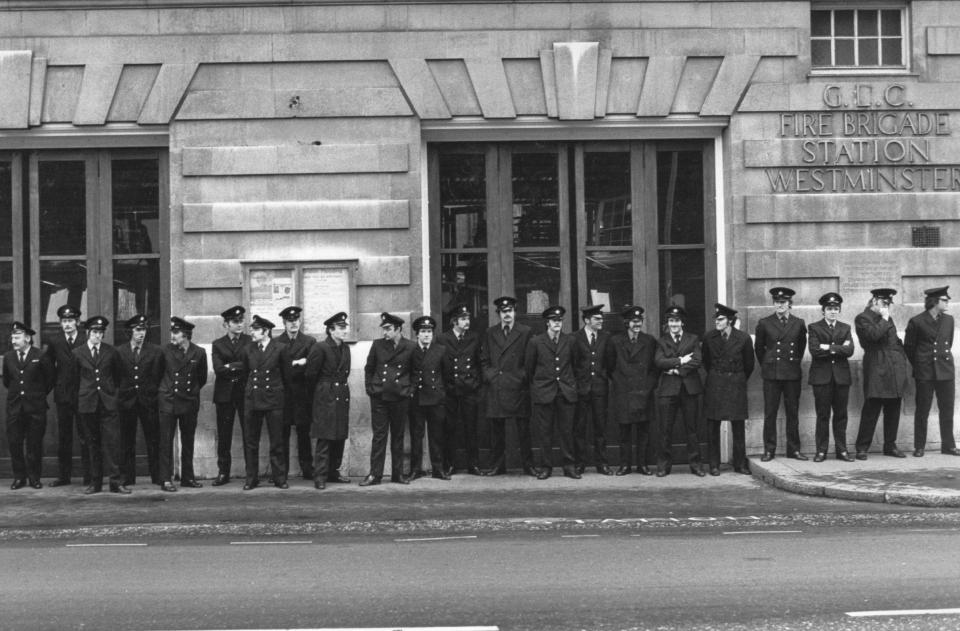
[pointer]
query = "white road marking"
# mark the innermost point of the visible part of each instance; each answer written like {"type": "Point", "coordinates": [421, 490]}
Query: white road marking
{"type": "Point", "coordinates": [270, 543]}
{"type": "Point", "coordinates": [576, 536]}
{"type": "Point", "coordinates": [474, 628]}
{"type": "Point", "coordinates": [106, 545]}
{"type": "Point", "coordinates": [435, 539]}
{"type": "Point", "coordinates": [762, 532]}
{"type": "Point", "coordinates": [904, 612]}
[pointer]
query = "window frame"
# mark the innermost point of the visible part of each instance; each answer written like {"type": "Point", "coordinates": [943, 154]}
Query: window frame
{"type": "Point", "coordinates": [905, 39]}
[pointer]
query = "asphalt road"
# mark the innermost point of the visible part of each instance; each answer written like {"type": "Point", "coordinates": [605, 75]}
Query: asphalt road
{"type": "Point", "coordinates": [735, 574]}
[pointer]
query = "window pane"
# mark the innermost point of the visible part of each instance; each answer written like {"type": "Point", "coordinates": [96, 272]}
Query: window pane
{"type": "Point", "coordinates": [866, 22]}
{"type": "Point", "coordinates": [136, 206]}
{"type": "Point", "coordinates": [6, 210]}
{"type": "Point", "coordinates": [682, 283]}
{"type": "Point", "coordinates": [680, 196]}
{"type": "Point", "coordinates": [820, 23]}
{"type": "Point", "coordinates": [536, 220]}
{"type": "Point", "coordinates": [465, 282]}
{"type": "Point", "coordinates": [820, 52]}
{"type": "Point", "coordinates": [537, 285]}
{"type": "Point", "coordinates": [6, 298]}
{"type": "Point", "coordinates": [610, 280]}
{"type": "Point", "coordinates": [136, 290]}
{"type": "Point", "coordinates": [463, 202]}
{"type": "Point", "coordinates": [890, 22]}
{"type": "Point", "coordinates": [844, 48]}
{"type": "Point", "coordinates": [843, 22]}
{"type": "Point", "coordinates": [63, 228]}
{"type": "Point", "coordinates": [607, 198]}
{"type": "Point", "coordinates": [892, 52]}
{"type": "Point", "coordinates": [62, 283]}
{"type": "Point", "coordinates": [868, 52]}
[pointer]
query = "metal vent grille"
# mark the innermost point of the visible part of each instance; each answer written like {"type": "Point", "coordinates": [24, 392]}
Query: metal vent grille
{"type": "Point", "coordinates": [926, 236]}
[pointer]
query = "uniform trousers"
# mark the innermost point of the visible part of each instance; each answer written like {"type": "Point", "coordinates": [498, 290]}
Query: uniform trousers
{"type": "Point", "coordinates": [439, 432]}
{"type": "Point", "coordinates": [227, 413]}
{"type": "Point", "coordinates": [827, 398]}
{"type": "Point", "coordinates": [868, 422]}
{"type": "Point", "coordinates": [591, 413]}
{"type": "Point", "coordinates": [253, 422]}
{"type": "Point", "coordinates": [639, 453]}
{"type": "Point", "coordinates": [327, 459]}
{"type": "Point", "coordinates": [297, 415]}
{"type": "Point", "coordinates": [387, 418]}
{"type": "Point", "coordinates": [462, 414]}
{"type": "Point", "coordinates": [738, 428]}
{"type": "Point", "coordinates": [689, 407]}
{"type": "Point", "coordinates": [103, 444]}
{"type": "Point", "coordinates": [555, 417]}
{"type": "Point", "coordinates": [187, 422]}
{"type": "Point", "coordinates": [149, 419]}
{"type": "Point", "coordinates": [25, 432]}
{"type": "Point", "coordinates": [498, 443]}
{"type": "Point", "coordinates": [773, 390]}
{"type": "Point", "coordinates": [418, 429]}
{"type": "Point", "coordinates": [945, 395]}
{"type": "Point", "coordinates": [67, 419]}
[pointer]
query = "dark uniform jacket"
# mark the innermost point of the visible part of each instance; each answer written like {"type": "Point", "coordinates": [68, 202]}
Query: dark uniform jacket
{"type": "Point", "coordinates": [29, 383]}
{"type": "Point", "coordinates": [928, 345]}
{"type": "Point", "coordinates": [830, 366]}
{"type": "Point", "coordinates": [502, 369]}
{"type": "Point", "coordinates": [780, 347]}
{"type": "Point", "coordinates": [593, 369]}
{"type": "Point", "coordinates": [432, 374]}
{"type": "Point", "coordinates": [729, 364]}
{"type": "Point", "coordinates": [184, 374]}
{"type": "Point", "coordinates": [465, 361]}
{"type": "Point", "coordinates": [97, 380]}
{"type": "Point", "coordinates": [633, 377]}
{"type": "Point", "coordinates": [668, 357]}
{"type": "Point", "coordinates": [140, 378]}
{"type": "Point", "coordinates": [268, 373]}
{"type": "Point", "coordinates": [389, 370]}
{"type": "Point", "coordinates": [228, 368]}
{"type": "Point", "coordinates": [884, 361]}
{"type": "Point", "coordinates": [60, 355]}
{"type": "Point", "coordinates": [553, 370]}
{"type": "Point", "coordinates": [297, 349]}
{"type": "Point", "coordinates": [328, 372]}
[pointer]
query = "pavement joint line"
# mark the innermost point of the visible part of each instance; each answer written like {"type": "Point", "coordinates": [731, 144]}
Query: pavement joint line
{"type": "Point", "coordinates": [435, 538]}
{"type": "Point", "coordinates": [762, 532]}
{"type": "Point", "coordinates": [106, 545]}
{"type": "Point", "coordinates": [903, 612]}
{"type": "Point", "coordinates": [271, 543]}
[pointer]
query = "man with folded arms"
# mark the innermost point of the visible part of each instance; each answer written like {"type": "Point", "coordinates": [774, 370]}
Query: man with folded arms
{"type": "Point", "coordinates": [830, 346]}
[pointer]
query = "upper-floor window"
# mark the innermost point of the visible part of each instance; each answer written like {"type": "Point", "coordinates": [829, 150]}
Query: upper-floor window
{"type": "Point", "coordinates": [861, 38]}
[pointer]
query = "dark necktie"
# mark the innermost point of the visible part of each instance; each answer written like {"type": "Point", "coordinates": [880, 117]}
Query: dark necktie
{"type": "Point", "coordinates": [593, 339]}
{"type": "Point", "coordinates": [69, 341]}
{"type": "Point", "coordinates": [234, 340]}
{"type": "Point", "coordinates": [726, 335]}
{"type": "Point", "coordinates": [460, 337]}
{"type": "Point", "coordinates": [22, 357]}
{"type": "Point", "coordinates": [96, 352]}
{"type": "Point", "coordinates": [261, 347]}
{"type": "Point", "coordinates": [506, 331]}
{"type": "Point", "coordinates": [633, 340]}
{"type": "Point", "coordinates": [783, 321]}
{"type": "Point", "coordinates": [136, 353]}
{"type": "Point", "coordinates": [676, 340]}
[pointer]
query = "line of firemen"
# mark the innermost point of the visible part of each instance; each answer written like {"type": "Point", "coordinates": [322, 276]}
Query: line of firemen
{"type": "Point", "coordinates": [555, 386]}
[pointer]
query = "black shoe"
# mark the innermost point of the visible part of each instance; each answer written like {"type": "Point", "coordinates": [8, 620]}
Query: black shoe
{"type": "Point", "coordinates": [438, 475]}
{"type": "Point", "coordinates": [36, 484]}
{"type": "Point", "coordinates": [644, 470]}
{"type": "Point", "coordinates": [573, 474]}
{"type": "Point", "coordinates": [861, 455]}
{"type": "Point", "coordinates": [119, 488]}
{"type": "Point", "coordinates": [93, 488]}
{"type": "Point", "coordinates": [895, 453]}
{"type": "Point", "coordinates": [604, 470]}
{"type": "Point", "coordinates": [697, 471]}
{"type": "Point", "coordinates": [282, 485]}
{"type": "Point", "coordinates": [399, 479]}
{"type": "Point", "coordinates": [221, 479]}
{"type": "Point", "coordinates": [767, 456]}
{"type": "Point", "coordinates": [191, 484]}
{"type": "Point", "coordinates": [336, 478]}
{"type": "Point", "coordinates": [493, 472]}
{"type": "Point", "coordinates": [580, 469]}
{"type": "Point", "coordinates": [918, 453]}
{"type": "Point", "coordinates": [168, 487]}
{"type": "Point", "coordinates": [714, 471]}
{"type": "Point", "coordinates": [414, 475]}
{"type": "Point", "coordinates": [798, 456]}
{"type": "Point", "coordinates": [950, 452]}
{"type": "Point", "coordinates": [532, 472]}
{"type": "Point", "coordinates": [249, 485]}
{"type": "Point", "coordinates": [662, 473]}
{"type": "Point", "coordinates": [370, 481]}
{"type": "Point", "coordinates": [742, 470]}
{"type": "Point", "coordinates": [820, 457]}
{"type": "Point", "coordinates": [474, 470]}
{"type": "Point", "coordinates": [844, 456]}
{"type": "Point", "coordinates": [319, 484]}
{"type": "Point", "coordinates": [543, 474]}
{"type": "Point", "coordinates": [129, 482]}
{"type": "Point", "coordinates": [623, 470]}
{"type": "Point", "coordinates": [18, 484]}
{"type": "Point", "coordinates": [61, 482]}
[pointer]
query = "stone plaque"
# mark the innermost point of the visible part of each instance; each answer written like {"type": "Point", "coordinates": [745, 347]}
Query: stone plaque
{"type": "Point", "coordinates": [857, 278]}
